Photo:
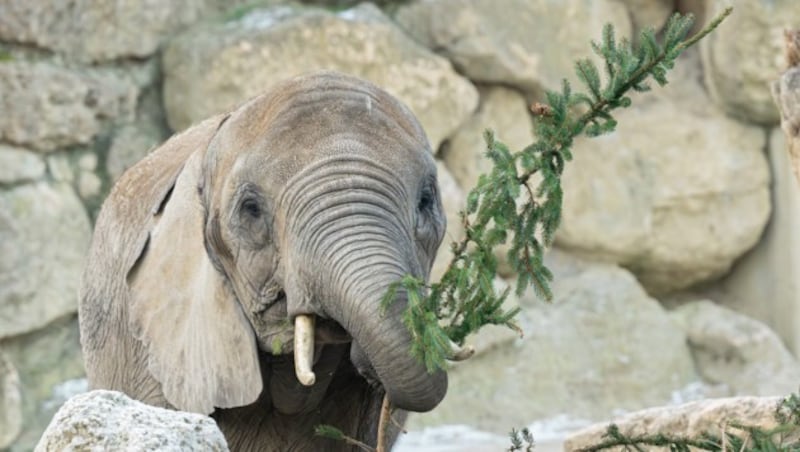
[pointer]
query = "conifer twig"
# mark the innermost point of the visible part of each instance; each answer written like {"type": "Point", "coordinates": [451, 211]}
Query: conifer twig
{"type": "Point", "coordinates": [465, 300]}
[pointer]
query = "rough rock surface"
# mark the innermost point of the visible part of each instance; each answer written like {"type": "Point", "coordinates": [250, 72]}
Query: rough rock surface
{"type": "Point", "coordinates": [630, 197]}
{"type": "Point", "coordinates": [56, 107]}
{"type": "Point", "coordinates": [735, 350]}
{"type": "Point", "coordinates": [687, 420]}
{"type": "Point", "coordinates": [786, 92]}
{"type": "Point", "coordinates": [504, 111]}
{"type": "Point", "coordinates": [568, 363]}
{"type": "Point", "coordinates": [212, 68]}
{"type": "Point", "coordinates": [511, 41]}
{"type": "Point", "coordinates": [649, 13]}
{"type": "Point", "coordinates": [93, 30]}
{"type": "Point", "coordinates": [19, 165]}
{"type": "Point", "coordinates": [50, 369]}
{"type": "Point", "coordinates": [109, 420]}
{"type": "Point", "coordinates": [44, 235]}
{"type": "Point", "coordinates": [10, 402]}
{"type": "Point", "coordinates": [745, 54]}
{"type": "Point", "coordinates": [453, 201]}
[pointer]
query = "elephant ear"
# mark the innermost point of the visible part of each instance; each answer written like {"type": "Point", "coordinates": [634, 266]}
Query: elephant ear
{"type": "Point", "coordinates": [200, 345]}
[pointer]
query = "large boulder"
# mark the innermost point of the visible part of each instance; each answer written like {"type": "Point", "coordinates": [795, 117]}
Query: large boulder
{"type": "Point", "coordinates": [50, 368]}
{"type": "Point", "coordinates": [110, 420]}
{"type": "Point", "coordinates": [55, 106]}
{"type": "Point", "coordinates": [453, 201]}
{"type": "Point", "coordinates": [18, 165]}
{"type": "Point", "coordinates": [689, 420]}
{"type": "Point", "coordinates": [131, 142]}
{"type": "Point", "coordinates": [650, 13]}
{"type": "Point", "coordinates": [10, 402]}
{"type": "Point", "coordinates": [529, 44]}
{"type": "Point", "coordinates": [96, 30]}
{"type": "Point", "coordinates": [584, 355]}
{"type": "Point", "coordinates": [213, 67]}
{"type": "Point", "coordinates": [737, 351]}
{"type": "Point", "coordinates": [44, 235]}
{"type": "Point", "coordinates": [743, 56]}
{"type": "Point", "coordinates": [501, 109]}
{"type": "Point", "coordinates": [676, 194]}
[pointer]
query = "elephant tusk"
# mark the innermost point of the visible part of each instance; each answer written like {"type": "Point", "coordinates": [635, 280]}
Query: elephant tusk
{"type": "Point", "coordinates": [461, 353]}
{"type": "Point", "coordinates": [304, 349]}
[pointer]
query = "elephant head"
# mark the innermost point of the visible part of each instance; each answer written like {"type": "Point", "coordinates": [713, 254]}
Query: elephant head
{"type": "Point", "coordinates": [300, 208]}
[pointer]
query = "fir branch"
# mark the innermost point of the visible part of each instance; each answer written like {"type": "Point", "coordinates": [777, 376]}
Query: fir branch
{"type": "Point", "coordinates": [442, 315]}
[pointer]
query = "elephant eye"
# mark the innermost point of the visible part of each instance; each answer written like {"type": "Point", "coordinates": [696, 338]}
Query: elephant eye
{"type": "Point", "coordinates": [251, 208]}
{"type": "Point", "coordinates": [425, 200]}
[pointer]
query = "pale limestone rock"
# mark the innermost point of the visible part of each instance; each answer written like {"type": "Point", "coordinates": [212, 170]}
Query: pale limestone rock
{"type": "Point", "coordinates": [745, 54]}
{"type": "Point", "coordinates": [50, 369]}
{"type": "Point", "coordinates": [453, 201]}
{"type": "Point", "coordinates": [44, 235]}
{"type": "Point", "coordinates": [212, 68]}
{"type": "Point", "coordinates": [763, 284]}
{"type": "Point", "coordinates": [10, 402]}
{"type": "Point", "coordinates": [56, 107]}
{"type": "Point", "coordinates": [649, 13]}
{"type": "Point", "coordinates": [19, 165]}
{"type": "Point", "coordinates": [732, 349]}
{"type": "Point", "coordinates": [687, 420]}
{"type": "Point", "coordinates": [89, 185]}
{"type": "Point", "coordinates": [110, 420]}
{"type": "Point", "coordinates": [505, 112]}
{"type": "Point", "coordinates": [586, 354]}
{"type": "Point", "coordinates": [96, 30]}
{"type": "Point", "coordinates": [131, 143]}
{"type": "Point", "coordinates": [530, 44]}
{"type": "Point", "coordinates": [676, 194]}
{"type": "Point", "coordinates": [786, 91]}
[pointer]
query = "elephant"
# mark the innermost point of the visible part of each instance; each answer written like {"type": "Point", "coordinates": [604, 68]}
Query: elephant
{"type": "Point", "coordinates": [238, 269]}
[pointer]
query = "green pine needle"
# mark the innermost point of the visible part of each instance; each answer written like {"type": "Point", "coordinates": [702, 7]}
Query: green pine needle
{"type": "Point", "coordinates": [465, 299]}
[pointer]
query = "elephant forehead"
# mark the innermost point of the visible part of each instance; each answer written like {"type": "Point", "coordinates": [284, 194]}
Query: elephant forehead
{"type": "Point", "coordinates": [325, 116]}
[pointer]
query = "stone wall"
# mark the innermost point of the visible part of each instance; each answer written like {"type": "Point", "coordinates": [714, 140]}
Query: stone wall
{"type": "Point", "coordinates": [656, 214]}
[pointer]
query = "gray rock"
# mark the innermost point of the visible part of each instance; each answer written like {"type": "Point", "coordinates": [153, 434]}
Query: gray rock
{"type": "Point", "coordinates": [504, 111]}
{"type": "Point", "coordinates": [676, 194]}
{"type": "Point", "coordinates": [130, 144]}
{"type": "Point", "coordinates": [50, 370]}
{"type": "Point", "coordinates": [453, 201]}
{"type": "Point", "coordinates": [93, 30]}
{"type": "Point", "coordinates": [19, 165]}
{"type": "Point", "coordinates": [110, 420]}
{"type": "Point", "coordinates": [586, 354]}
{"type": "Point", "coordinates": [512, 41]}
{"type": "Point", "coordinates": [44, 235]}
{"type": "Point", "coordinates": [735, 350]}
{"type": "Point", "coordinates": [786, 91]}
{"type": "Point", "coordinates": [211, 68]}
{"type": "Point", "coordinates": [689, 420]}
{"type": "Point", "coordinates": [744, 55]}
{"type": "Point", "coordinates": [56, 107]}
{"type": "Point", "coordinates": [650, 13]}
{"type": "Point", "coordinates": [10, 402]}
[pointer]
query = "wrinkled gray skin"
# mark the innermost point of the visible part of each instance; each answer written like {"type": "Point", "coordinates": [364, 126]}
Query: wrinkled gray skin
{"type": "Point", "coordinates": [310, 199]}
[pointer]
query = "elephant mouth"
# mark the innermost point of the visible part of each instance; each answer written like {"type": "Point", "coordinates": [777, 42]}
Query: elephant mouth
{"type": "Point", "coordinates": [305, 335]}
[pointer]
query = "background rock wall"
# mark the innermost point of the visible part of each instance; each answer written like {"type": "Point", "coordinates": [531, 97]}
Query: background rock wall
{"type": "Point", "coordinates": [657, 215]}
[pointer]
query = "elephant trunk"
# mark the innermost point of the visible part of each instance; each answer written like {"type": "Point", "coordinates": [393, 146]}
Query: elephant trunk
{"type": "Point", "coordinates": [352, 238]}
